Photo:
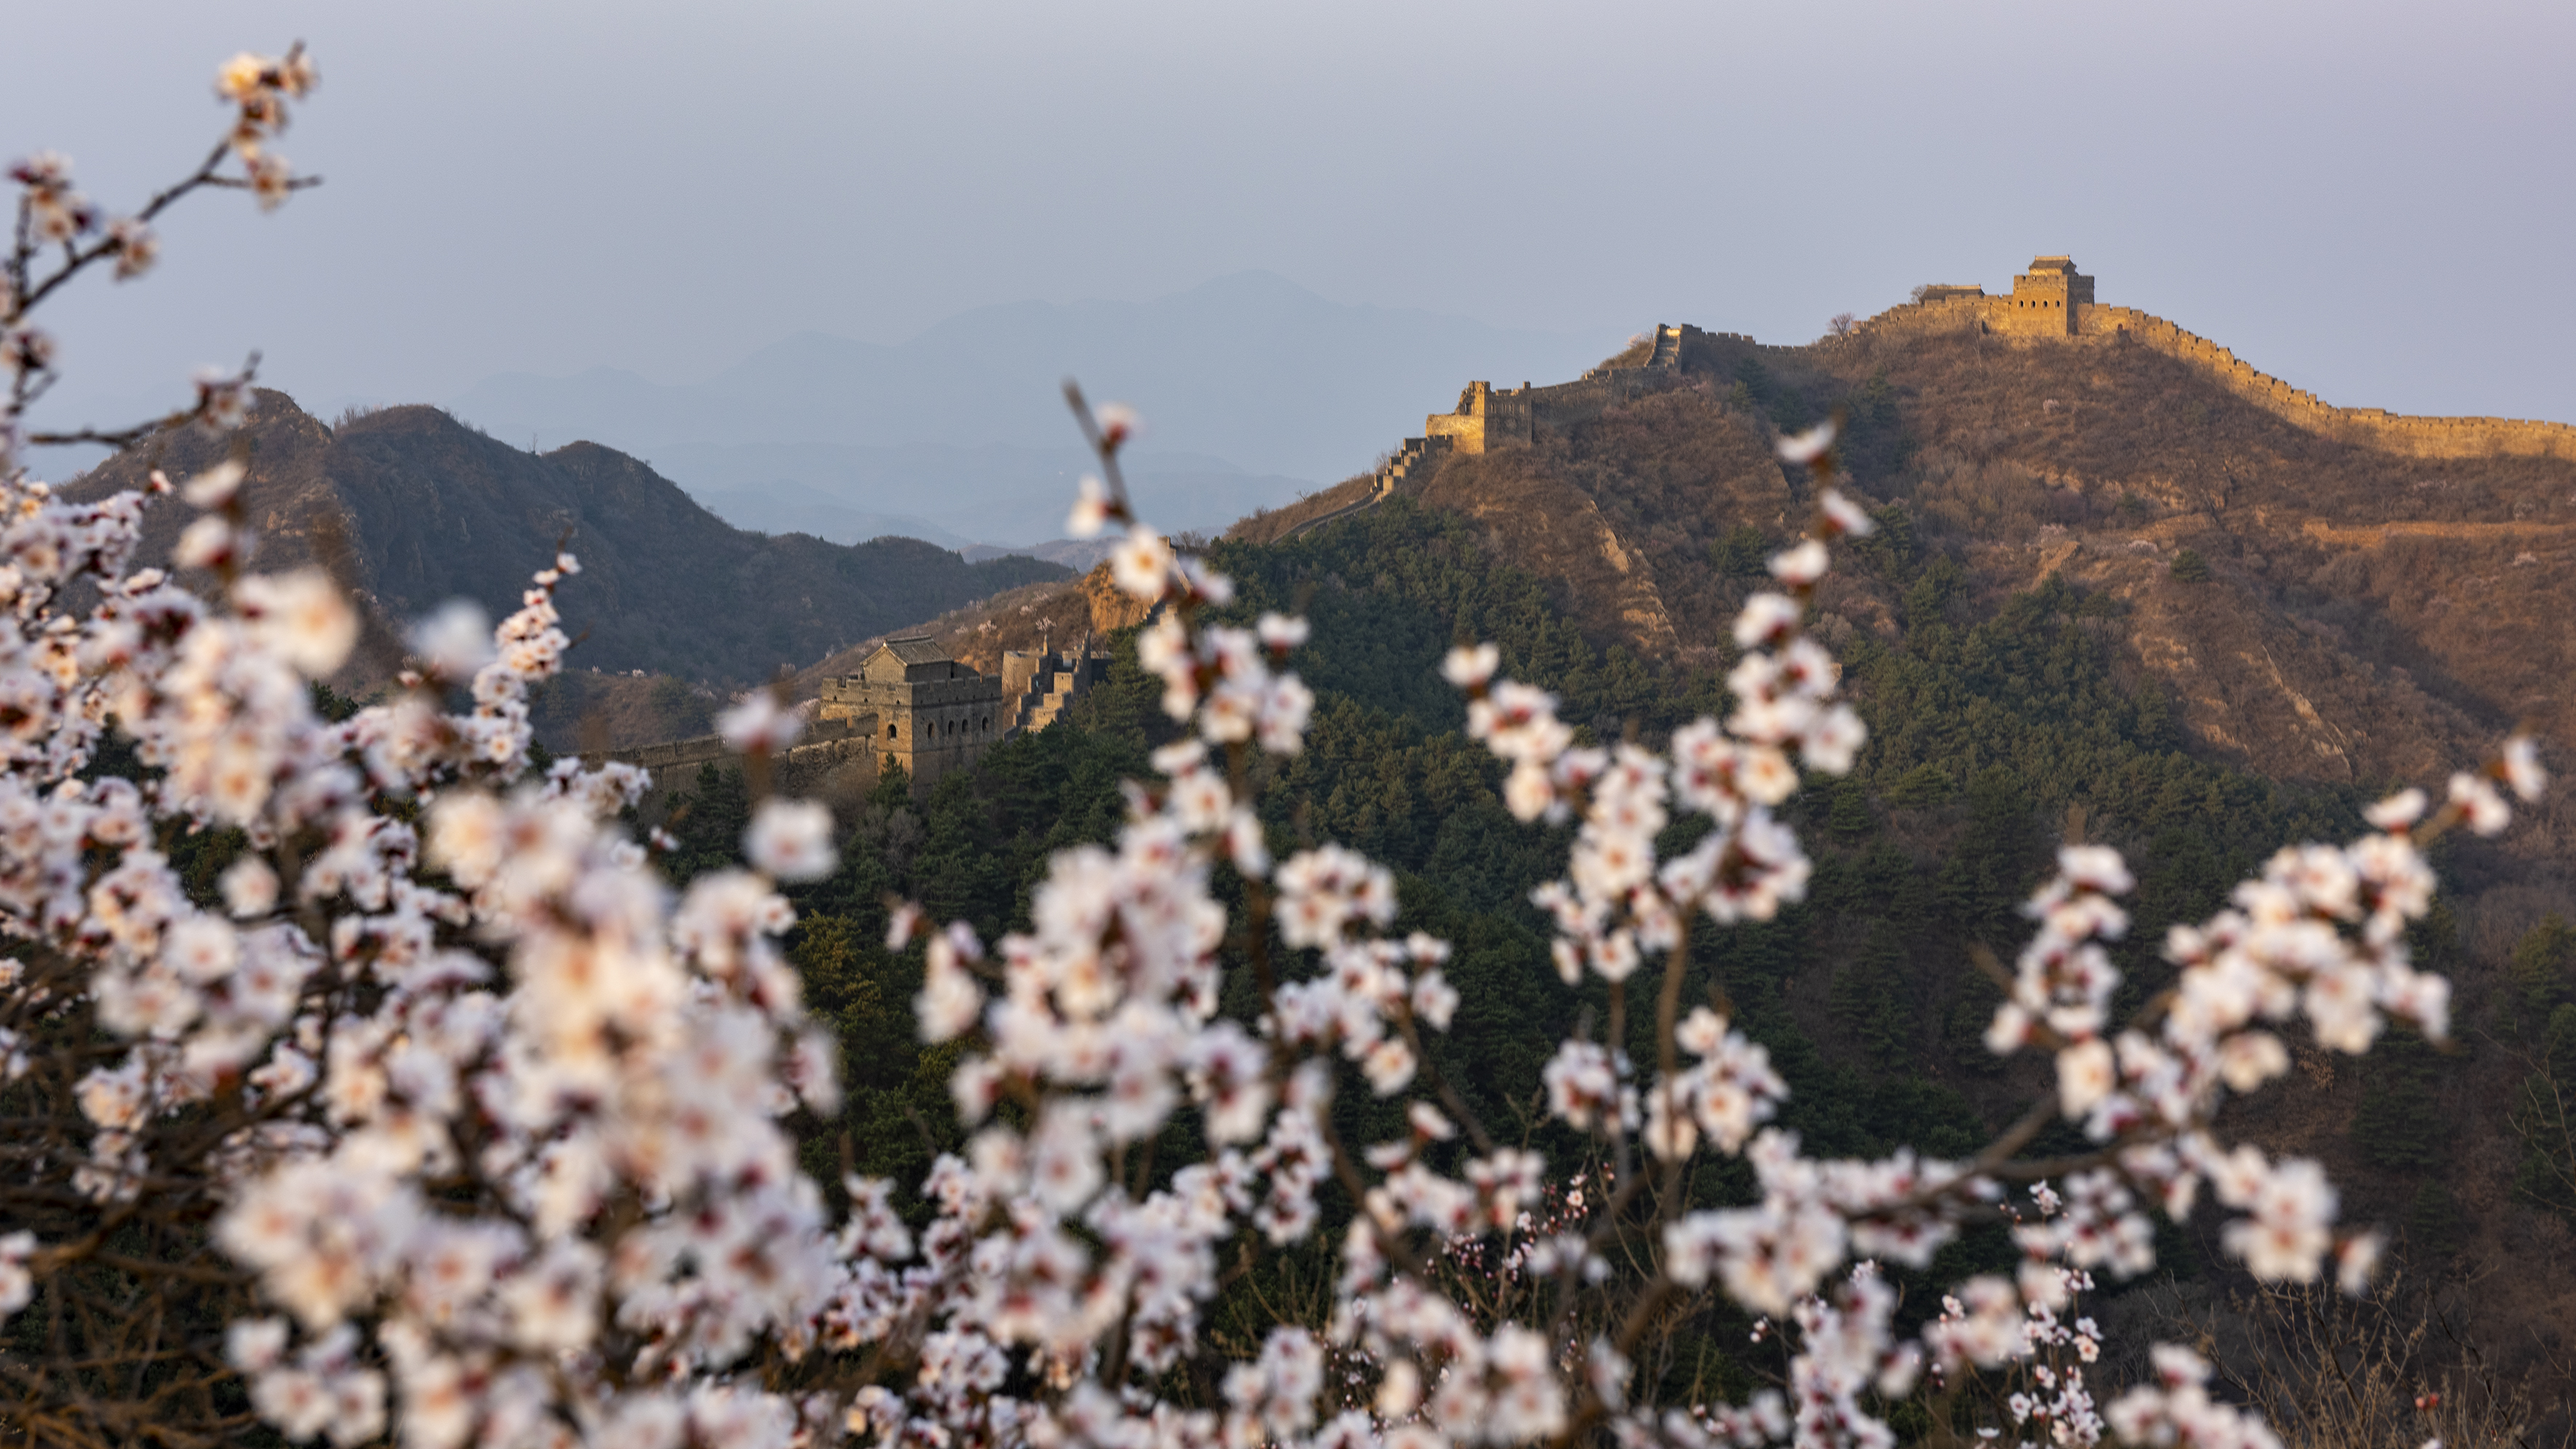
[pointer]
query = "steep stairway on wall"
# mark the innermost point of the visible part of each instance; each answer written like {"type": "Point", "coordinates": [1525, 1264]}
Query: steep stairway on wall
{"type": "Point", "coordinates": [1045, 700]}
{"type": "Point", "coordinates": [1062, 679]}
{"type": "Point", "coordinates": [1415, 454]}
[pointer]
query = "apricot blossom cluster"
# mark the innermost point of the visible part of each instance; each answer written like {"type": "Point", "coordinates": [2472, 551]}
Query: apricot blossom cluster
{"type": "Point", "coordinates": [2321, 933]}
{"type": "Point", "coordinates": [515, 1162]}
{"type": "Point", "coordinates": [55, 220]}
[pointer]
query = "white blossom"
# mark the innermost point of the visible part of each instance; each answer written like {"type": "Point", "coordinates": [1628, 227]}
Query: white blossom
{"type": "Point", "coordinates": [791, 840]}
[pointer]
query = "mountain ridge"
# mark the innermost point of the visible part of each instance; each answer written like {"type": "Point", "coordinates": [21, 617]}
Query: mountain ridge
{"type": "Point", "coordinates": [993, 493]}
{"type": "Point", "coordinates": [410, 508]}
{"type": "Point", "coordinates": [2326, 641]}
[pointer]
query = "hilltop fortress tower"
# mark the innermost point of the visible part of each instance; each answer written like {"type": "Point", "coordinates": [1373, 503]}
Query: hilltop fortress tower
{"type": "Point", "coordinates": [1489, 418]}
{"type": "Point", "coordinates": [922, 709]}
{"type": "Point", "coordinates": [931, 714]}
{"type": "Point", "coordinates": [2049, 300]}
{"type": "Point", "coordinates": [2053, 301]}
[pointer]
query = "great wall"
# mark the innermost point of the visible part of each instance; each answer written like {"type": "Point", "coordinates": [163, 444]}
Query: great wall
{"type": "Point", "coordinates": [908, 704]}
{"type": "Point", "coordinates": [2053, 301]}
{"type": "Point", "coordinates": [1488, 417]}
{"type": "Point", "coordinates": [2050, 302]}
{"type": "Point", "coordinates": [911, 704]}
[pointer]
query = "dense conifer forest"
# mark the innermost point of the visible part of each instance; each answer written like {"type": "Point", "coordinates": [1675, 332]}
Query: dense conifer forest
{"type": "Point", "coordinates": [1995, 732]}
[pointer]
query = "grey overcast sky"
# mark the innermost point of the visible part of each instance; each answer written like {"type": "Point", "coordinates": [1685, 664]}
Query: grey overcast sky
{"type": "Point", "coordinates": [2370, 199]}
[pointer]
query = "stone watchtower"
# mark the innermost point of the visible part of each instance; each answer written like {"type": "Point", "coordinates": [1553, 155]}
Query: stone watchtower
{"type": "Point", "coordinates": [2046, 299]}
{"type": "Point", "coordinates": [1489, 418]}
{"type": "Point", "coordinates": [933, 714]}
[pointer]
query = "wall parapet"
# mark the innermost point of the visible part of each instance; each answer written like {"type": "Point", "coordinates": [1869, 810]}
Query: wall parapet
{"type": "Point", "coordinates": [701, 749]}
{"type": "Point", "coordinates": [831, 758]}
{"type": "Point", "coordinates": [1489, 417]}
{"type": "Point", "coordinates": [2411, 435]}
{"type": "Point", "coordinates": [1951, 309]}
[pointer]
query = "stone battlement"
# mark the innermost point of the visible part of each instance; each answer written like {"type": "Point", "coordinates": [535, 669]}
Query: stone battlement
{"type": "Point", "coordinates": [832, 758]}
{"type": "Point", "coordinates": [2053, 300]}
{"type": "Point", "coordinates": [1037, 685]}
{"type": "Point", "coordinates": [1487, 418]}
{"type": "Point", "coordinates": [928, 713]}
{"type": "Point", "coordinates": [678, 754]}
{"type": "Point", "coordinates": [908, 704]}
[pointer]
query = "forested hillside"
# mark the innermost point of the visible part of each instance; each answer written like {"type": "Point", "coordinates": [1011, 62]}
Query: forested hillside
{"type": "Point", "coordinates": [2313, 609]}
{"type": "Point", "coordinates": [2104, 600]}
{"type": "Point", "coordinates": [1999, 726]}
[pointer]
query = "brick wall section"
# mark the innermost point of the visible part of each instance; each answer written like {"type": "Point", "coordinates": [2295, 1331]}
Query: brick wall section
{"type": "Point", "coordinates": [691, 753]}
{"type": "Point", "coordinates": [1418, 455]}
{"type": "Point", "coordinates": [1019, 671]}
{"type": "Point", "coordinates": [2420, 437]}
{"type": "Point", "coordinates": [929, 726]}
{"type": "Point", "coordinates": [1491, 417]}
{"type": "Point", "coordinates": [2095, 324]}
{"type": "Point", "coordinates": [831, 757]}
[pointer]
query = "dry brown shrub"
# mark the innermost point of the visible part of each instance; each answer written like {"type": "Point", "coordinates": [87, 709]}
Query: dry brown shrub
{"type": "Point", "coordinates": [2391, 1370]}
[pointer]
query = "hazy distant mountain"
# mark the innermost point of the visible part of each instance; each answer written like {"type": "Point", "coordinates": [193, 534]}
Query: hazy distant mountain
{"type": "Point", "coordinates": [1078, 554]}
{"type": "Point", "coordinates": [412, 509]}
{"type": "Point", "coordinates": [1274, 388]}
{"type": "Point", "coordinates": [781, 506]}
{"type": "Point", "coordinates": [952, 495]}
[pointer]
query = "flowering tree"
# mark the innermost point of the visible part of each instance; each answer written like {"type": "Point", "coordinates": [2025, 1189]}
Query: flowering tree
{"type": "Point", "coordinates": [366, 1082]}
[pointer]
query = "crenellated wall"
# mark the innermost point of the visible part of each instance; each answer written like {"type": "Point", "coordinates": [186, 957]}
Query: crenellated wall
{"type": "Point", "coordinates": [831, 757]}
{"type": "Point", "coordinates": [1421, 453]}
{"type": "Point", "coordinates": [2414, 436]}
{"type": "Point", "coordinates": [1038, 685]}
{"type": "Point", "coordinates": [1488, 417]}
{"type": "Point", "coordinates": [2082, 321]}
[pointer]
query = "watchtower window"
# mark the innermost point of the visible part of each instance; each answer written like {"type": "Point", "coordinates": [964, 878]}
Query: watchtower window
{"type": "Point", "coordinates": [890, 731]}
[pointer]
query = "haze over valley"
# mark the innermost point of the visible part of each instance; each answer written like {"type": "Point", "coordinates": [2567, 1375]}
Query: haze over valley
{"type": "Point", "coordinates": [1254, 390]}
